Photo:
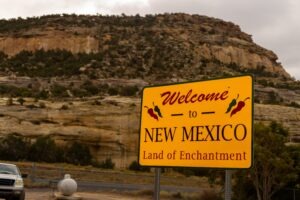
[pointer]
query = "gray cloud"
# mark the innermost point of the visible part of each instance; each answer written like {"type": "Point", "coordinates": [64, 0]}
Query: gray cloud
{"type": "Point", "coordinates": [28, 8]}
{"type": "Point", "coordinates": [274, 24]}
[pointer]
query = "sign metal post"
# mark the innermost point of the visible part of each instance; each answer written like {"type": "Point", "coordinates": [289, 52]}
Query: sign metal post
{"type": "Point", "coordinates": [228, 188]}
{"type": "Point", "coordinates": [157, 184]}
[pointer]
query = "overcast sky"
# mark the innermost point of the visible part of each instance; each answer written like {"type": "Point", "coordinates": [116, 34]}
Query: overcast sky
{"type": "Point", "coordinates": [273, 24]}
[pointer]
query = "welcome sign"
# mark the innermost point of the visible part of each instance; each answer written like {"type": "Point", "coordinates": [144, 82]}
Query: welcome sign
{"type": "Point", "coordinates": [198, 124]}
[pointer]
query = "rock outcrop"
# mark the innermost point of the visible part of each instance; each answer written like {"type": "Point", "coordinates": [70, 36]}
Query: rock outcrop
{"type": "Point", "coordinates": [186, 46]}
{"type": "Point", "coordinates": [49, 41]}
{"type": "Point", "coordinates": [109, 127]}
{"type": "Point", "coordinates": [81, 76]}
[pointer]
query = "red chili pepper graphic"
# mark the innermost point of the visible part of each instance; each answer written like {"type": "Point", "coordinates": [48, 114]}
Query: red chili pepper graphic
{"type": "Point", "coordinates": [239, 107]}
{"type": "Point", "coordinates": [232, 103]}
{"type": "Point", "coordinates": [151, 113]}
{"type": "Point", "coordinates": [156, 109]}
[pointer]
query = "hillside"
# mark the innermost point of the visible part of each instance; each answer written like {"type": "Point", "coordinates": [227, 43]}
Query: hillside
{"type": "Point", "coordinates": [184, 46]}
{"type": "Point", "coordinates": [80, 76]}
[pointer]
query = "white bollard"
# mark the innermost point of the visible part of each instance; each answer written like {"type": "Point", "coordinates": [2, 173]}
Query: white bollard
{"type": "Point", "coordinates": [67, 186]}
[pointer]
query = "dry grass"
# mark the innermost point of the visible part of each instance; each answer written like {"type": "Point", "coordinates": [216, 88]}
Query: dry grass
{"type": "Point", "coordinates": [56, 171]}
{"type": "Point", "coordinates": [88, 173]}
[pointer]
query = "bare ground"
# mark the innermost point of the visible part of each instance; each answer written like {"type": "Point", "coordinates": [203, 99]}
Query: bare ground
{"type": "Point", "coordinates": [38, 194]}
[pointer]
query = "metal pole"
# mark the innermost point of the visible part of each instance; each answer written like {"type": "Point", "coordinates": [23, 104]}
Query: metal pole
{"type": "Point", "coordinates": [33, 169]}
{"type": "Point", "coordinates": [157, 184]}
{"type": "Point", "coordinates": [228, 185]}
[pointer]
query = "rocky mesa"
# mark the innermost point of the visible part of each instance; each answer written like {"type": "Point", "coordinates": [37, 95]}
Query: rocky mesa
{"type": "Point", "coordinates": [80, 77]}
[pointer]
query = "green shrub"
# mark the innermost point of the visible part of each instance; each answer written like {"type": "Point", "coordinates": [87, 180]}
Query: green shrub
{"type": "Point", "coordinates": [21, 101]}
{"type": "Point", "coordinates": [10, 101]}
{"type": "Point", "coordinates": [134, 166]}
{"type": "Point", "coordinates": [128, 90]}
{"type": "Point", "coordinates": [14, 91]}
{"type": "Point", "coordinates": [44, 149]}
{"type": "Point", "coordinates": [64, 107]}
{"type": "Point", "coordinates": [42, 105]}
{"type": "Point", "coordinates": [274, 98]}
{"type": "Point", "coordinates": [79, 92]}
{"type": "Point", "coordinates": [210, 195]}
{"type": "Point", "coordinates": [59, 91]}
{"type": "Point", "coordinates": [90, 88]}
{"type": "Point", "coordinates": [193, 171]}
{"type": "Point", "coordinates": [274, 165]}
{"type": "Point", "coordinates": [294, 104]}
{"type": "Point", "coordinates": [113, 91]}
{"type": "Point", "coordinates": [78, 154]}
{"type": "Point", "coordinates": [13, 147]}
{"type": "Point", "coordinates": [107, 164]}
{"type": "Point", "coordinates": [177, 195]}
{"type": "Point", "coordinates": [3, 56]}
{"type": "Point", "coordinates": [42, 95]}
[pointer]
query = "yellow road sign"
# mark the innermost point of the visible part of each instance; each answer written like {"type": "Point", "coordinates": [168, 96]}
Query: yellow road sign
{"type": "Point", "coordinates": [198, 124]}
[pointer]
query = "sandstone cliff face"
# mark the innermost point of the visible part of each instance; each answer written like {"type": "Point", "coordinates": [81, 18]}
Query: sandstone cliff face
{"type": "Point", "coordinates": [49, 40]}
{"type": "Point", "coordinates": [110, 129]}
{"type": "Point", "coordinates": [247, 59]}
{"type": "Point", "coordinates": [288, 116]}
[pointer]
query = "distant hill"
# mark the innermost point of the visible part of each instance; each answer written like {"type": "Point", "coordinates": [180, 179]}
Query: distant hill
{"type": "Point", "coordinates": [151, 47]}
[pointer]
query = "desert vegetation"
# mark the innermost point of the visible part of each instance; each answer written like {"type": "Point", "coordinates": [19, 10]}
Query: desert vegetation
{"type": "Point", "coordinates": [132, 52]}
{"type": "Point", "coordinates": [44, 149]}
